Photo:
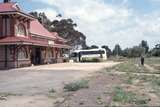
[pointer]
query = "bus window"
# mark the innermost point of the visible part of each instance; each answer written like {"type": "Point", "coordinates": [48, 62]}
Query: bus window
{"type": "Point", "coordinates": [74, 55]}
{"type": "Point", "coordinates": [92, 52]}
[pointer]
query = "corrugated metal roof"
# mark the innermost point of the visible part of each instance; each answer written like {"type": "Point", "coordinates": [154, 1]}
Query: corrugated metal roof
{"type": "Point", "coordinates": [37, 28]}
{"type": "Point", "coordinates": [8, 7]}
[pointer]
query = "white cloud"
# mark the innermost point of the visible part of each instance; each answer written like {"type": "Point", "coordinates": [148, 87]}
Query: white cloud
{"type": "Point", "coordinates": [108, 24]}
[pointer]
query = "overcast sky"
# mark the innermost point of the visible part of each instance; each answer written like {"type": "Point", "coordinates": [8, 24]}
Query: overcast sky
{"type": "Point", "coordinates": [106, 22]}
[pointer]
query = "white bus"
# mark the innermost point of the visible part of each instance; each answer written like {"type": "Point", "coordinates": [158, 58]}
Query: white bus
{"type": "Point", "coordinates": [88, 55]}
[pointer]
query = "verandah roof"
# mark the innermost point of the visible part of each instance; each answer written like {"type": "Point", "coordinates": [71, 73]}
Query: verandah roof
{"type": "Point", "coordinates": [25, 41]}
{"type": "Point", "coordinates": [38, 29]}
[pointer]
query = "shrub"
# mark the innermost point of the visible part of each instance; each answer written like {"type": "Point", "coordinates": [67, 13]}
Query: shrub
{"type": "Point", "coordinates": [74, 86]}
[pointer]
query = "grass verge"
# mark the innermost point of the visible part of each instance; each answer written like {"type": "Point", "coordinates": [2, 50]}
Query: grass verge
{"type": "Point", "coordinates": [122, 96]}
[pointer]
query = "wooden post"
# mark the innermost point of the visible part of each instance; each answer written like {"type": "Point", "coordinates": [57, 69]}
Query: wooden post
{"type": "Point", "coordinates": [6, 55]}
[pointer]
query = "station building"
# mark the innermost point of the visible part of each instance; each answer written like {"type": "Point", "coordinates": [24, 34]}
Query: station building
{"type": "Point", "coordinates": [24, 41]}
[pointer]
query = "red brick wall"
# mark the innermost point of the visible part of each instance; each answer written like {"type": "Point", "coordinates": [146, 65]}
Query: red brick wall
{"type": "Point", "coordinates": [1, 25]}
{"type": "Point", "coordinates": [12, 26]}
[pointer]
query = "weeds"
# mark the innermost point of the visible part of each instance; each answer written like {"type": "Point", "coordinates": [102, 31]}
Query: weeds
{"type": "Point", "coordinates": [74, 86]}
{"type": "Point", "coordinates": [99, 101]}
{"type": "Point", "coordinates": [129, 79]}
{"type": "Point", "coordinates": [122, 96]}
{"type": "Point", "coordinates": [9, 94]}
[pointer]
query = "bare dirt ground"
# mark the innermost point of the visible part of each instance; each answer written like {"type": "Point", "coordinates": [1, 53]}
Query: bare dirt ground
{"type": "Point", "coordinates": [126, 84]}
{"type": "Point", "coordinates": [101, 93]}
{"type": "Point", "coordinates": [33, 86]}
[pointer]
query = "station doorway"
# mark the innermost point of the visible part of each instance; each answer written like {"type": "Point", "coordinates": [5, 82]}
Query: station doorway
{"type": "Point", "coordinates": [36, 55]}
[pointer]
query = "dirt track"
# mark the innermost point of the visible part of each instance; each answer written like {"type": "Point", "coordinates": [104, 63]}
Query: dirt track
{"type": "Point", "coordinates": [29, 87]}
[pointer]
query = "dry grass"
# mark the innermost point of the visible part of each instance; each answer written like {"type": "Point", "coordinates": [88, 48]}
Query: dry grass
{"type": "Point", "coordinates": [127, 84]}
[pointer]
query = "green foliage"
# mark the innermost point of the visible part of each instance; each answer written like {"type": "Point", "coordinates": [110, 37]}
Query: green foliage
{"type": "Point", "coordinates": [117, 50]}
{"type": "Point", "coordinates": [42, 18]}
{"type": "Point", "coordinates": [122, 96]}
{"type": "Point", "coordinates": [130, 78]}
{"type": "Point", "coordinates": [65, 28]}
{"type": "Point", "coordinates": [131, 66]}
{"type": "Point", "coordinates": [9, 94]}
{"type": "Point", "coordinates": [156, 81]}
{"type": "Point", "coordinates": [108, 50]}
{"type": "Point", "coordinates": [144, 45]}
{"type": "Point", "coordinates": [141, 100]}
{"type": "Point", "coordinates": [127, 67]}
{"type": "Point", "coordinates": [155, 52]}
{"type": "Point", "coordinates": [99, 101]}
{"type": "Point", "coordinates": [136, 51]}
{"type": "Point", "coordinates": [74, 86]}
{"type": "Point", "coordinates": [153, 60]}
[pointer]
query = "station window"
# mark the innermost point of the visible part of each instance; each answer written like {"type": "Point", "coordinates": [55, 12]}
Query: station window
{"type": "Point", "coordinates": [21, 30]}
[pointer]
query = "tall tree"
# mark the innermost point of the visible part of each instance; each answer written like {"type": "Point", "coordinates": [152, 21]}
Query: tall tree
{"type": "Point", "coordinates": [117, 50]}
{"type": "Point", "coordinates": [144, 45]}
{"type": "Point", "coordinates": [65, 28]}
{"type": "Point", "coordinates": [42, 18]}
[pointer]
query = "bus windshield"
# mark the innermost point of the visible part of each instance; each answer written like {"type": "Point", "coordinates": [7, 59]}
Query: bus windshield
{"type": "Point", "coordinates": [74, 54]}
{"type": "Point", "coordinates": [92, 52]}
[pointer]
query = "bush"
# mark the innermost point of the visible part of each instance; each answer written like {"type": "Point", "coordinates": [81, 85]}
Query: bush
{"type": "Point", "coordinates": [155, 52]}
{"type": "Point", "coordinates": [136, 51]}
{"type": "Point", "coordinates": [74, 86]}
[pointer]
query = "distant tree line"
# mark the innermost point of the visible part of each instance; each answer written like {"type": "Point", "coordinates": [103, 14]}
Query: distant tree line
{"type": "Point", "coordinates": [135, 51]}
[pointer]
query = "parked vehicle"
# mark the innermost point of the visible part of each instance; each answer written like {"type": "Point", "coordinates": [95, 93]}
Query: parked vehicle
{"type": "Point", "coordinates": [90, 55]}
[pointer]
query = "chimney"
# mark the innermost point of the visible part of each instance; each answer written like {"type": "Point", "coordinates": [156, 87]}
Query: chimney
{"type": "Point", "coordinates": [6, 1]}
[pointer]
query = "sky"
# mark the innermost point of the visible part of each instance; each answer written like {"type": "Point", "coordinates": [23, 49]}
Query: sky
{"type": "Point", "coordinates": [106, 22]}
